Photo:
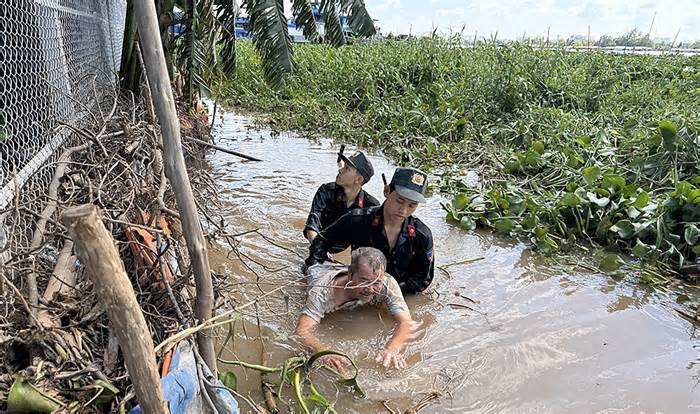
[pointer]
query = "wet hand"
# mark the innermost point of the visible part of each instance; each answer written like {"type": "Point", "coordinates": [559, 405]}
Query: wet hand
{"type": "Point", "coordinates": [336, 362]}
{"type": "Point", "coordinates": [390, 358]}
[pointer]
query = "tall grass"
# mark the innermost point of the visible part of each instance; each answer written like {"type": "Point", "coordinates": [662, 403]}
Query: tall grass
{"type": "Point", "coordinates": [571, 146]}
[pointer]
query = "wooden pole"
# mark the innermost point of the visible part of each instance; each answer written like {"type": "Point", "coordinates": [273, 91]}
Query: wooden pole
{"type": "Point", "coordinates": [164, 103]}
{"type": "Point", "coordinates": [95, 248]}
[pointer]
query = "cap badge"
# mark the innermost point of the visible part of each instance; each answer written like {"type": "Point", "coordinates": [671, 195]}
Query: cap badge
{"type": "Point", "coordinates": [418, 179]}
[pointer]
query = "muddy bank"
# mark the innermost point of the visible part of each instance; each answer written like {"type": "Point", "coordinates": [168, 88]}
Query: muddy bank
{"type": "Point", "coordinates": [540, 338]}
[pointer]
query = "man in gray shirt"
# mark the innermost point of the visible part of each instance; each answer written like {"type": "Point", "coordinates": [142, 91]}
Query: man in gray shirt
{"type": "Point", "coordinates": [332, 287]}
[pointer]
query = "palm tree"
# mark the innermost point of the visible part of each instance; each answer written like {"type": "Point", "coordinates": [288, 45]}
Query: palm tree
{"type": "Point", "coordinates": [207, 46]}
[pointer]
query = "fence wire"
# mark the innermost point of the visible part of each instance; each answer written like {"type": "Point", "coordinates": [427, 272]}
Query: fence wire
{"type": "Point", "coordinates": [57, 57]}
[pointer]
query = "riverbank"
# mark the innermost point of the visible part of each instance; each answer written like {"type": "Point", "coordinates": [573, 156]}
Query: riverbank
{"type": "Point", "coordinates": [572, 149]}
{"type": "Point", "coordinates": [59, 349]}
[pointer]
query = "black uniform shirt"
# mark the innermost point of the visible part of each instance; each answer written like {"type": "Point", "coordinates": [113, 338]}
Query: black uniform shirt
{"type": "Point", "coordinates": [410, 262]}
{"type": "Point", "coordinates": [329, 205]}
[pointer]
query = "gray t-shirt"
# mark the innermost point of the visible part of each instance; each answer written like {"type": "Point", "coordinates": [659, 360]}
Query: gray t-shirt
{"type": "Point", "coordinates": [319, 293]}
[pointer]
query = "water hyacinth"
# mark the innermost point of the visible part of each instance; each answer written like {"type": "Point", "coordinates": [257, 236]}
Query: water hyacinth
{"type": "Point", "coordinates": [571, 148]}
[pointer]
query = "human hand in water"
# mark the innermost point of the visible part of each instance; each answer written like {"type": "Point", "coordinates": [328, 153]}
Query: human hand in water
{"type": "Point", "coordinates": [391, 358]}
{"type": "Point", "coordinates": [336, 362]}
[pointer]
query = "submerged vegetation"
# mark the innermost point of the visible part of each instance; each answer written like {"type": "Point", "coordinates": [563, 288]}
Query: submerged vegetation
{"type": "Point", "coordinates": [572, 149]}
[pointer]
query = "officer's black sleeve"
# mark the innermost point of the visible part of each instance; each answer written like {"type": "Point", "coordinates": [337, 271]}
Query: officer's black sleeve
{"type": "Point", "coordinates": [422, 267]}
{"type": "Point", "coordinates": [338, 233]}
{"type": "Point", "coordinates": [313, 222]}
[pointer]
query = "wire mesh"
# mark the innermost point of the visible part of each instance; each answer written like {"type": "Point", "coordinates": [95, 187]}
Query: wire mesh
{"type": "Point", "coordinates": [57, 57]}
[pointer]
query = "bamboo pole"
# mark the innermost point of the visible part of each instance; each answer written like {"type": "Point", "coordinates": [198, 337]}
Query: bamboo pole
{"type": "Point", "coordinates": [95, 247]}
{"type": "Point", "coordinates": [164, 103]}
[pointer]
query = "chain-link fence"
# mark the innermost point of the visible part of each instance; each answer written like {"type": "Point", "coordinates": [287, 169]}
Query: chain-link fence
{"type": "Point", "coordinates": [57, 57]}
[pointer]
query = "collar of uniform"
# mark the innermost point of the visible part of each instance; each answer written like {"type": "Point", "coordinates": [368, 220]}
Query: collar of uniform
{"type": "Point", "coordinates": [403, 234]}
{"type": "Point", "coordinates": [360, 195]}
{"type": "Point", "coordinates": [340, 196]}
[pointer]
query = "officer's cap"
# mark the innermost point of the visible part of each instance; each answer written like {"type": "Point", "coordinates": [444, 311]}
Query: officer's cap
{"type": "Point", "coordinates": [410, 183]}
{"type": "Point", "coordinates": [359, 162]}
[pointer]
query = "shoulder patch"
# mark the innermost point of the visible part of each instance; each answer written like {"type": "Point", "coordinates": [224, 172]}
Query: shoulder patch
{"type": "Point", "coordinates": [411, 230]}
{"type": "Point", "coordinates": [421, 228]}
{"type": "Point", "coordinates": [429, 255]}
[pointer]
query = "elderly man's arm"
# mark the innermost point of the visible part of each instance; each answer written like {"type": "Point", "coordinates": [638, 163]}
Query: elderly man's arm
{"type": "Point", "coordinates": [305, 332]}
{"type": "Point", "coordinates": [392, 354]}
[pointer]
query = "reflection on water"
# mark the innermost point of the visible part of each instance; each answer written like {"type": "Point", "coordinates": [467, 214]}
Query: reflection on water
{"type": "Point", "coordinates": [537, 340]}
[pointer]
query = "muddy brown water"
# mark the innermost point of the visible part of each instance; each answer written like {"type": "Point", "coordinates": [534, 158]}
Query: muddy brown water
{"type": "Point", "coordinates": [540, 339]}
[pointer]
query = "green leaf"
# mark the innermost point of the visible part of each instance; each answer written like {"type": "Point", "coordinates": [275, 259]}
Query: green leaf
{"type": "Point", "coordinates": [654, 140]}
{"type": "Point", "coordinates": [460, 202]}
{"type": "Point", "coordinates": [641, 250]}
{"type": "Point", "coordinates": [530, 222]}
{"type": "Point", "coordinates": [504, 225]}
{"type": "Point", "coordinates": [624, 228]}
{"type": "Point", "coordinates": [668, 131]}
{"type": "Point", "coordinates": [359, 19]}
{"type": "Point", "coordinates": [229, 380]}
{"type": "Point", "coordinates": [610, 263]}
{"type": "Point", "coordinates": [467, 223]}
{"type": "Point", "coordinates": [613, 182]}
{"type": "Point", "coordinates": [511, 167]}
{"type": "Point", "coordinates": [691, 234]}
{"type": "Point", "coordinates": [538, 147]}
{"type": "Point", "coordinates": [107, 391]}
{"type": "Point", "coordinates": [304, 18]}
{"type": "Point", "coordinates": [696, 249]}
{"type": "Point", "coordinates": [591, 174]}
{"type": "Point", "coordinates": [532, 158]}
{"type": "Point", "coordinates": [630, 190]}
{"type": "Point", "coordinates": [333, 29]}
{"type": "Point", "coordinates": [570, 200]}
{"type": "Point", "coordinates": [24, 397]}
{"type": "Point", "coordinates": [584, 141]}
{"type": "Point", "coordinates": [516, 204]}
{"type": "Point", "coordinates": [642, 200]}
{"type": "Point", "coordinates": [268, 28]}
{"type": "Point", "coordinates": [683, 189]}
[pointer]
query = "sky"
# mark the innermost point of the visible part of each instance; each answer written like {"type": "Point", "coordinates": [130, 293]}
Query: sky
{"type": "Point", "coordinates": [512, 18]}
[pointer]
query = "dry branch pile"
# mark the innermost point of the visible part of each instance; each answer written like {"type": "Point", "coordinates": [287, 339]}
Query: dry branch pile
{"type": "Point", "coordinates": [53, 331]}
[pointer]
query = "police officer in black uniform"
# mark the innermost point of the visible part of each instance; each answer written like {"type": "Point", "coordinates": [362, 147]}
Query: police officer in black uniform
{"type": "Point", "coordinates": [406, 242]}
{"type": "Point", "coordinates": [333, 200]}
